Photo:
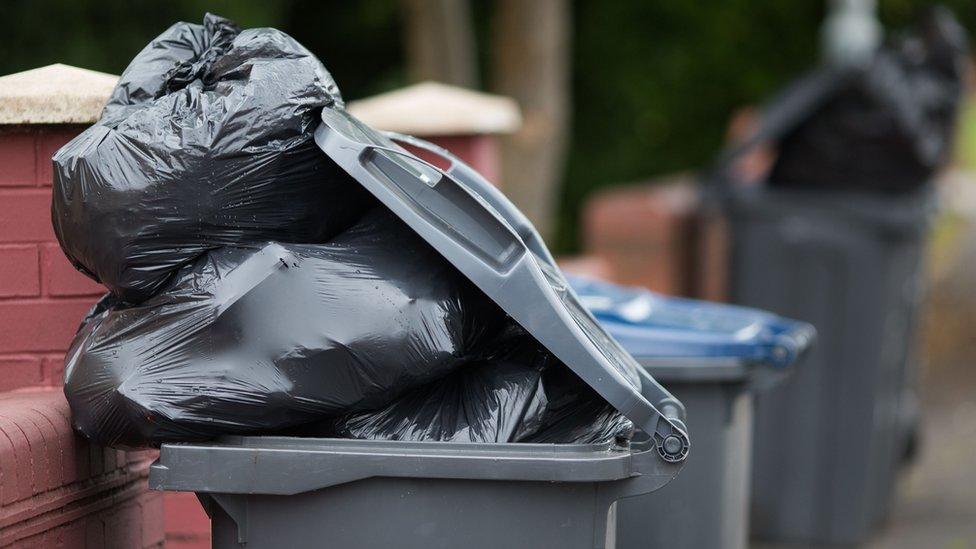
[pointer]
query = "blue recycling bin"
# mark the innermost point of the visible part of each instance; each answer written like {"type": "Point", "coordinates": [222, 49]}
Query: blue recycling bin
{"type": "Point", "coordinates": [713, 357]}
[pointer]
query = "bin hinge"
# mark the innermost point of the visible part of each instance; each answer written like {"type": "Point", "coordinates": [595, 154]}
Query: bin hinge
{"type": "Point", "coordinates": [670, 434]}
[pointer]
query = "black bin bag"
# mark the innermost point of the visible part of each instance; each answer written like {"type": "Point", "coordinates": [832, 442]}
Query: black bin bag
{"type": "Point", "coordinates": [253, 340]}
{"type": "Point", "coordinates": [206, 141]}
{"type": "Point", "coordinates": [518, 392]}
{"type": "Point", "coordinates": [887, 127]}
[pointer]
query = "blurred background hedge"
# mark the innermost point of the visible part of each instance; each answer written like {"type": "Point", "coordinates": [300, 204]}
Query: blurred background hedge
{"type": "Point", "coordinates": [652, 85]}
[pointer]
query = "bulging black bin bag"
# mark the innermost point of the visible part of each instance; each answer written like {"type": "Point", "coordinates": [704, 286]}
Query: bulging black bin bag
{"type": "Point", "coordinates": [206, 141]}
{"type": "Point", "coordinates": [887, 127]}
{"type": "Point", "coordinates": [253, 340]}
{"type": "Point", "coordinates": [517, 392]}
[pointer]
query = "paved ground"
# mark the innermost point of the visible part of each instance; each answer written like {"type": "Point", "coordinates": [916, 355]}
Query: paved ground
{"type": "Point", "coordinates": [936, 504]}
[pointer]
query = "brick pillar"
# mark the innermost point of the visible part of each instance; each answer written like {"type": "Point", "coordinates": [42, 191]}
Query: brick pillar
{"type": "Point", "coordinates": [55, 489]}
{"type": "Point", "coordinates": [465, 122]}
{"type": "Point", "coordinates": [657, 235]}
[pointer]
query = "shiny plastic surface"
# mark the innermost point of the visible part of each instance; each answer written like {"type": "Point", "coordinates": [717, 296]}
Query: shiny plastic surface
{"type": "Point", "coordinates": [250, 340]}
{"type": "Point", "coordinates": [205, 142]}
{"type": "Point", "coordinates": [517, 392]}
{"type": "Point", "coordinates": [651, 325]}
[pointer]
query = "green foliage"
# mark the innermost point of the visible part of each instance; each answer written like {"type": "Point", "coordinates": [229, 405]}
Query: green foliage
{"type": "Point", "coordinates": [104, 35]}
{"type": "Point", "coordinates": [654, 81]}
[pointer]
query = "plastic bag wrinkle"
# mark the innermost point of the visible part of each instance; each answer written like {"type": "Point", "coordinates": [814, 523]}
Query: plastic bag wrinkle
{"type": "Point", "coordinates": [256, 339]}
{"type": "Point", "coordinates": [205, 142]}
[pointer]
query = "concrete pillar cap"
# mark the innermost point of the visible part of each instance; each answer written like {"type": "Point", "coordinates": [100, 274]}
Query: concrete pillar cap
{"type": "Point", "coordinates": [432, 108]}
{"type": "Point", "coordinates": [55, 94]}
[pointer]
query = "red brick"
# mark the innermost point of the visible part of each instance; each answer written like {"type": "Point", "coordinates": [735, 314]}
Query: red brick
{"type": "Point", "coordinates": [40, 325]}
{"type": "Point", "coordinates": [9, 490]}
{"type": "Point", "coordinates": [96, 460]}
{"type": "Point", "coordinates": [37, 541]}
{"type": "Point", "coordinates": [60, 278]}
{"type": "Point", "coordinates": [17, 159]}
{"type": "Point", "coordinates": [123, 526]}
{"type": "Point", "coordinates": [110, 459]}
{"type": "Point", "coordinates": [153, 521]}
{"type": "Point", "coordinates": [25, 215]}
{"type": "Point", "coordinates": [19, 271]}
{"type": "Point", "coordinates": [52, 370]}
{"type": "Point", "coordinates": [82, 457]}
{"type": "Point", "coordinates": [586, 265]}
{"type": "Point", "coordinates": [95, 533]}
{"type": "Point", "coordinates": [23, 470]}
{"type": "Point", "coordinates": [40, 452]}
{"type": "Point", "coordinates": [72, 534]}
{"type": "Point", "coordinates": [188, 543]}
{"type": "Point", "coordinates": [185, 517]}
{"type": "Point", "coordinates": [19, 371]}
{"type": "Point", "coordinates": [50, 478]}
{"type": "Point", "coordinates": [48, 143]}
{"type": "Point", "coordinates": [78, 452]}
{"type": "Point", "coordinates": [481, 152]}
{"type": "Point", "coordinates": [67, 443]}
{"type": "Point", "coordinates": [647, 233]}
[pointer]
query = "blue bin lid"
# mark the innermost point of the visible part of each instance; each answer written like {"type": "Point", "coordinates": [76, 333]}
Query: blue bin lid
{"type": "Point", "coordinates": [655, 328]}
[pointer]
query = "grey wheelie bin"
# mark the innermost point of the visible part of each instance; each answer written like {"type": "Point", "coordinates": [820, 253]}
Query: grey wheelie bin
{"type": "Point", "coordinates": [830, 440]}
{"type": "Point", "coordinates": [852, 265]}
{"type": "Point", "coordinates": [714, 357]}
{"type": "Point", "coordinates": [301, 492]}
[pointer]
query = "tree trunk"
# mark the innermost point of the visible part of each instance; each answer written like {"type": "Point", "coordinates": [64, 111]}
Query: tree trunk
{"type": "Point", "coordinates": [440, 42]}
{"type": "Point", "coordinates": [531, 63]}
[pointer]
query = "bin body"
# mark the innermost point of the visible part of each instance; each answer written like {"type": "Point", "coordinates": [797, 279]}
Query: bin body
{"type": "Point", "coordinates": [707, 504]}
{"type": "Point", "coordinates": [422, 514]}
{"type": "Point", "coordinates": [828, 441]}
{"type": "Point", "coordinates": [270, 492]}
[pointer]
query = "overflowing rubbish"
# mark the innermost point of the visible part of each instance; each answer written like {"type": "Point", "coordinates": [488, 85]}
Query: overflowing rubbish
{"type": "Point", "coordinates": [518, 393]}
{"type": "Point", "coordinates": [206, 141]}
{"type": "Point", "coordinates": [276, 266]}
{"type": "Point", "coordinates": [887, 126]}
{"type": "Point", "coordinates": [262, 338]}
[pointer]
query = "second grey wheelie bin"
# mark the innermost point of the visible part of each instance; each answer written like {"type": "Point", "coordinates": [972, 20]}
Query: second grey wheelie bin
{"type": "Point", "coordinates": [714, 357]}
{"type": "Point", "coordinates": [830, 440]}
{"type": "Point", "coordinates": [300, 492]}
{"type": "Point", "coordinates": [852, 265]}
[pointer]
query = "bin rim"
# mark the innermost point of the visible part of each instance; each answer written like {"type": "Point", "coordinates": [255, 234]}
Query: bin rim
{"type": "Point", "coordinates": [910, 212]}
{"type": "Point", "coordinates": [476, 229]}
{"type": "Point", "coordinates": [269, 465]}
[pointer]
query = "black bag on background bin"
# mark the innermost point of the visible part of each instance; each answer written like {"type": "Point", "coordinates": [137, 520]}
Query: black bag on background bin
{"type": "Point", "coordinates": [260, 339]}
{"type": "Point", "coordinates": [887, 127]}
{"type": "Point", "coordinates": [206, 141]}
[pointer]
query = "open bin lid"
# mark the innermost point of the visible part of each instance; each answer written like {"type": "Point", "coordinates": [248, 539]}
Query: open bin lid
{"type": "Point", "coordinates": [696, 337]}
{"type": "Point", "coordinates": [483, 235]}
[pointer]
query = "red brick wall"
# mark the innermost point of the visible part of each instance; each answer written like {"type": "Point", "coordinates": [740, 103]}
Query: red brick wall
{"type": "Point", "coordinates": [56, 490]}
{"type": "Point", "coordinates": [42, 300]}
{"type": "Point", "coordinates": [657, 235]}
{"type": "Point", "coordinates": [42, 297]}
{"type": "Point", "coordinates": [478, 151]}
